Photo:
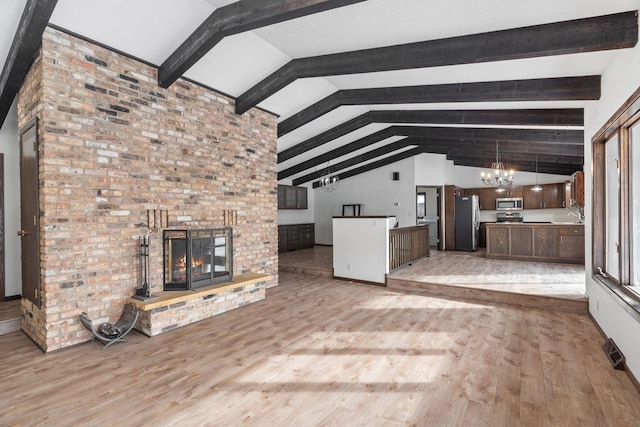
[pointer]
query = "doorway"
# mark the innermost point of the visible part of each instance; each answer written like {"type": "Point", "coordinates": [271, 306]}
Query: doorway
{"type": "Point", "coordinates": [428, 211]}
{"type": "Point", "coordinates": [29, 218]}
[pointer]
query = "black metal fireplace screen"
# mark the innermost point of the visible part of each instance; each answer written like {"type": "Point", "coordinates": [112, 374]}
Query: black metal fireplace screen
{"type": "Point", "coordinates": [197, 258]}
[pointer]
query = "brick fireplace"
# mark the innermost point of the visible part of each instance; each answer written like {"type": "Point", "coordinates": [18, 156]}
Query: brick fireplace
{"type": "Point", "coordinates": [193, 259]}
{"type": "Point", "coordinates": [114, 146]}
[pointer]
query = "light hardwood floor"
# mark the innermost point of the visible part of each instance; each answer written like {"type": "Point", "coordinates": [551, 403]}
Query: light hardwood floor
{"type": "Point", "coordinates": [469, 275]}
{"type": "Point", "coordinates": [9, 316]}
{"type": "Point", "coordinates": [320, 352]}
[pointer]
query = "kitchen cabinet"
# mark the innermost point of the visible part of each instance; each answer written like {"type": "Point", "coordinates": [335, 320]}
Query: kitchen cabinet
{"type": "Point", "coordinates": [536, 242]}
{"type": "Point", "coordinates": [577, 189]}
{"type": "Point", "coordinates": [293, 237]}
{"type": "Point", "coordinates": [450, 193]}
{"type": "Point", "coordinates": [482, 235]}
{"type": "Point", "coordinates": [498, 241]}
{"type": "Point", "coordinates": [551, 196]}
{"type": "Point", "coordinates": [521, 241]}
{"type": "Point", "coordinates": [571, 246]}
{"type": "Point", "coordinates": [292, 197]}
{"type": "Point", "coordinates": [545, 242]}
{"type": "Point", "coordinates": [487, 195]}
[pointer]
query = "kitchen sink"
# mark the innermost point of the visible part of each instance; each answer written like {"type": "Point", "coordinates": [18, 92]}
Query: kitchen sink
{"type": "Point", "coordinates": [567, 223]}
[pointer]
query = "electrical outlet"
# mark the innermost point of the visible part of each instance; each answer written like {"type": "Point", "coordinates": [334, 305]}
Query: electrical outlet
{"type": "Point", "coordinates": [597, 305]}
{"type": "Point", "coordinates": [348, 267]}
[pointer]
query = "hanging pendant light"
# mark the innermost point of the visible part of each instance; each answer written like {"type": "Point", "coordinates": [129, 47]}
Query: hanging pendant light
{"type": "Point", "coordinates": [499, 176]}
{"type": "Point", "coordinates": [536, 187]}
{"type": "Point", "coordinates": [329, 182]}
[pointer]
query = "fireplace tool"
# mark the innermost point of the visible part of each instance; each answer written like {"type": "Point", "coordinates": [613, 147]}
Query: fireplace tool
{"type": "Point", "coordinates": [144, 269]}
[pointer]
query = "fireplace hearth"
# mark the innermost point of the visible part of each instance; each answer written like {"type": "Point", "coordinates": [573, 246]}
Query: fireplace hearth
{"type": "Point", "coordinates": [197, 258]}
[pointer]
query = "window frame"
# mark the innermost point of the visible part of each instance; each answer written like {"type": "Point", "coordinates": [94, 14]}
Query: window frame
{"type": "Point", "coordinates": [627, 116]}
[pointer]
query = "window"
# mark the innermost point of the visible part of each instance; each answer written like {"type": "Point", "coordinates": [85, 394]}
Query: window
{"type": "Point", "coordinates": [635, 203]}
{"type": "Point", "coordinates": [616, 202]}
{"type": "Point", "coordinates": [612, 211]}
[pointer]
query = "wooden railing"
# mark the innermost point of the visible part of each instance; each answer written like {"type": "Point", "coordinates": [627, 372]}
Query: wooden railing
{"type": "Point", "coordinates": [407, 245]}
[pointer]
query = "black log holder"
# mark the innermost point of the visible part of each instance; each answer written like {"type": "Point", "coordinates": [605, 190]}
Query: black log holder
{"type": "Point", "coordinates": [144, 269]}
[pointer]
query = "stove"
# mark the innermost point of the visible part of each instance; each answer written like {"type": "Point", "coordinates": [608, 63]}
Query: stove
{"type": "Point", "coordinates": [513, 217]}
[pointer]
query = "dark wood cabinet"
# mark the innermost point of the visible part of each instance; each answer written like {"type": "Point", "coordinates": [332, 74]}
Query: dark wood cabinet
{"type": "Point", "coordinates": [550, 197]}
{"type": "Point", "coordinates": [571, 246]}
{"type": "Point", "coordinates": [577, 189]}
{"type": "Point", "coordinates": [521, 241]}
{"type": "Point", "coordinates": [291, 197]}
{"type": "Point", "coordinates": [292, 237]}
{"type": "Point", "coordinates": [482, 235]}
{"type": "Point", "coordinates": [553, 196]}
{"type": "Point", "coordinates": [282, 238]}
{"type": "Point", "coordinates": [450, 192]}
{"type": "Point", "coordinates": [536, 242]}
{"type": "Point", "coordinates": [531, 199]}
{"type": "Point", "coordinates": [486, 196]}
{"type": "Point", "coordinates": [498, 240]}
{"type": "Point", "coordinates": [545, 242]}
{"type": "Point", "coordinates": [306, 235]}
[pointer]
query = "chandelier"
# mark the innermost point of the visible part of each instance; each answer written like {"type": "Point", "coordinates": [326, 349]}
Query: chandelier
{"type": "Point", "coordinates": [499, 176]}
{"type": "Point", "coordinates": [327, 181]}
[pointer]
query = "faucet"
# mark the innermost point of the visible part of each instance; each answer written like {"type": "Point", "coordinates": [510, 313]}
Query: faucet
{"type": "Point", "coordinates": [579, 214]}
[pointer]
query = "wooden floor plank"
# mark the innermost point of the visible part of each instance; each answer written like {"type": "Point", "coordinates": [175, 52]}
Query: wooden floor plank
{"type": "Point", "coordinates": [324, 352]}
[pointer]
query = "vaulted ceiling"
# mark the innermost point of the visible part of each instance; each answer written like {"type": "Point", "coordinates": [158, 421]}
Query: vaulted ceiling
{"type": "Point", "coordinates": [358, 84]}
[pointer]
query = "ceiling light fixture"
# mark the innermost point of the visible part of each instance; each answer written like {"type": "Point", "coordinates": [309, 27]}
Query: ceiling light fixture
{"type": "Point", "coordinates": [327, 181]}
{"type": "Point", "coordinates": [536, 187]}
{"type": "Point", "coordinates": [499, 176]}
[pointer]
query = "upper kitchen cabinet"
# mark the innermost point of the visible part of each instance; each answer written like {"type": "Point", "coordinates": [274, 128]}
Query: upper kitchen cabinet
{"type": "Point", "coordinates": [551, 196]}
{"type": "Point", "coordinates": [487, 195]}
{"type": "Point", "coordinates": [577, 189]}
{"type": "Point", "coordinates": [291, 197]}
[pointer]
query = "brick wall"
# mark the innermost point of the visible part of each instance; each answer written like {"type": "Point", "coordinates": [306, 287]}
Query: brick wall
{"type": "Point", "coordinates": [114, 145]}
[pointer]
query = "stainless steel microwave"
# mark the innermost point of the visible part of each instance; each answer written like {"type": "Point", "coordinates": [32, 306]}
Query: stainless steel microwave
{"type": "Point", "coordinates": [509, 204]}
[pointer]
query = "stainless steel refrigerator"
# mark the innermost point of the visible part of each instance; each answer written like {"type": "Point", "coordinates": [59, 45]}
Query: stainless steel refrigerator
{"type": "Point", "coordinates": [467, 217]}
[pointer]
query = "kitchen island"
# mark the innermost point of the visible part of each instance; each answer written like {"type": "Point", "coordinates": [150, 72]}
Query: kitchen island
{"type": "Point", "coordinates": [536, 241]}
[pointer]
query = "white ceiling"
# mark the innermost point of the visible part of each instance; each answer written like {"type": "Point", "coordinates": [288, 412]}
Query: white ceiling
{"type": "Point", "coordinates": [153, 29]}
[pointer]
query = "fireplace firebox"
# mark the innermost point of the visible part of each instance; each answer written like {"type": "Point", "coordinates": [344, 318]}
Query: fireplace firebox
{"type": "Point", "coordinates": [197, 258]}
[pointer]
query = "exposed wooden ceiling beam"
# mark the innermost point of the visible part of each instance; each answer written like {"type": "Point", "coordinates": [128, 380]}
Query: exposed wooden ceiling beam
{"type": "Point", "coordinates": [486, 153]}
{"type": "Point", "coordinates": [544, 141]}
{"type": "Point", "coordinates": [235, 18]}
{"type": "Point", "coordinates": [543, 167]}
{"type": "Point", "coordinates": [488, 147]}
{"type": "Point", "coordinates": [513, 159]}
{"type": "Point", "coordinates": [502, 136]}
{"type": "Point", "coordinates": [361, 158]}
{"type": "Point", "coordinates": [377, 164]}
{"type": "Point", "coordinates": [530, 117]}
{"type": "Point", "coordinates": [614, 31]}
{"type": "Point", "coordinates": [338, 152]}
{"type": "Point", "coordinates": [521, 117]}
{"type": "Point", "coordinates": [552, 89]}
{"type": "Point", "coordinates": [23, 51]}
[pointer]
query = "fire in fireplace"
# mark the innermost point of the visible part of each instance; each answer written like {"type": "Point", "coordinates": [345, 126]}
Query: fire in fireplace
{"type": "Point", "coordinates": [197, 258]}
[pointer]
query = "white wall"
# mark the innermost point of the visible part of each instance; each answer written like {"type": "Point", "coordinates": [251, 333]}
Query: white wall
{"type": "Point", "coordinates": [619, 80]}
{"type": "Point", "coordinates": [9, 145]}
{"type": "Point", "coordinates": [361, 248]}
{"type": "Point", "coordinates": [376, 191]}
